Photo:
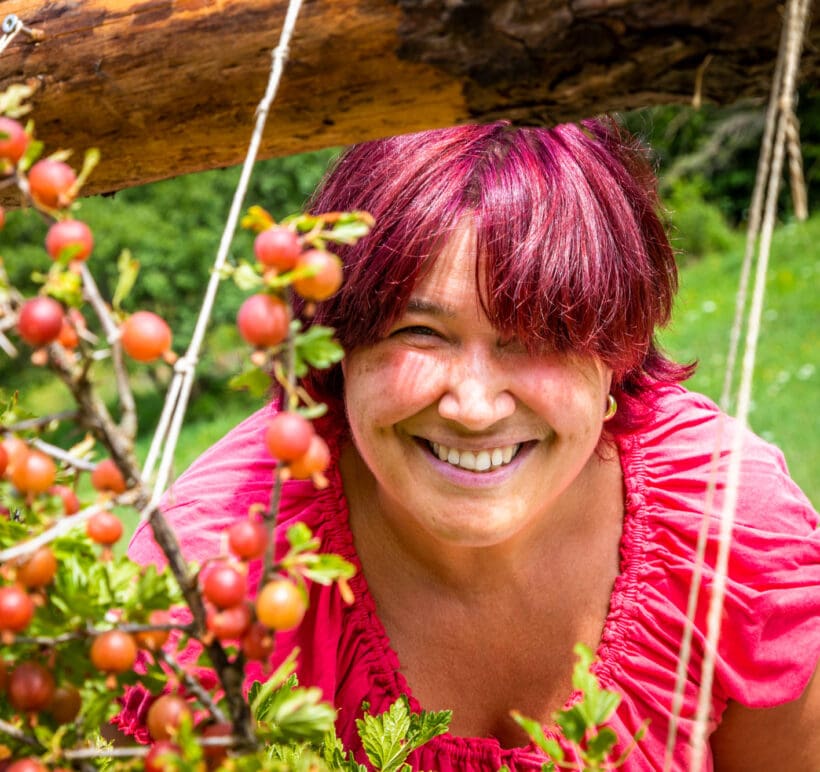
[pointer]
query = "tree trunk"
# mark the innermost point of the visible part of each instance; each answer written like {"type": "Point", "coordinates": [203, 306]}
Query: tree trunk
{"type": "Point", "coordinates": [167, 87]}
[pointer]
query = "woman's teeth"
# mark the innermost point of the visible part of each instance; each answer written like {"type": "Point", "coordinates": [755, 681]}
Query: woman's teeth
{"type": "Point", "coordinates": [476, 461]}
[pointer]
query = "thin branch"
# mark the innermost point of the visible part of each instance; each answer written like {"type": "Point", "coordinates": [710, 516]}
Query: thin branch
{"type": "Point", "coordinates": [18, 734]}
{"type": "Point", "coordinates": [39, 422]}
{"type": "Point", "coordinates": [64, 456]}
{"type": "Point", "coordinates": [193, 686]}
{"type": "Point", "coordinates": [128, 419]}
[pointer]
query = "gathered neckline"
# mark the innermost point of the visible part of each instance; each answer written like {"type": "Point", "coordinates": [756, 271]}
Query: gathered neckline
{"type": "Point", "coordinates": [384, 664]}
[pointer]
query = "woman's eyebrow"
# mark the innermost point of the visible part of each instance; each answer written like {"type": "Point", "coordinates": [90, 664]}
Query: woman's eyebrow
{"type": "Point", "coordinates": [423, 306]}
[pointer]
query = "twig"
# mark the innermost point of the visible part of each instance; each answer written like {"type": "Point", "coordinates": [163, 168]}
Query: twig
{"type": "Point", "coordinates": [128, 418]}
{"type": "Point", "coordinates": [64, 456]}
{"type": "Point", "coordinates": [40, 421]}
{"type": "Point", "coordinates": [193, 686]}
{"type": "Point", "coordinates": [127, 751]}
{"type": "Point", "coordinates": [18, 734]}
{"type": "Point", "coordinates": [91, 632]}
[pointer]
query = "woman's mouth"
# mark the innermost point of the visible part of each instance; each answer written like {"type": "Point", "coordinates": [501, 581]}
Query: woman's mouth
{"type": "Point", "coordinates": [486, 460]}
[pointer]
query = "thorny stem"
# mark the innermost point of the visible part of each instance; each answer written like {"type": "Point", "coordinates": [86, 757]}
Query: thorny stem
{"type": "Point", "coordinates": [90, 632]}
{"type": "Point", "coordinates": [18, 734]}
{"type": "Point", "coordinates": [192, 685]}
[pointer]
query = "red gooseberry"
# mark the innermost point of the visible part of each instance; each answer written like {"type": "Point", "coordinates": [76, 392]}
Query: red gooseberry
{"type": "Point", "coordinates": [29, 764]}
{"type": "Point", "coordinates": [16, 609]}
{"type": "Point", "coordinates": [288, 436]}
{"type": "Point", "coordinates": [68, 337]}
{"type": "Point", "coordinates": [66, 703]}
{"type": "Point", "coordinates": [145, 336]}
{"type": "Point", "coordinates": [154, 640]}
{"type": "Point", "coordinates": [71, 504]}
{"type": "Point", "coordinates": [280, 605]}
{"type": "Point", "coordinates": [16, 450]}
{"type": "Point", "coordinates": [216, 753]}
{"type": "Point", "coordinates": [263, 320]}
{"type": "Point", "coordinates": [325, 277]}
{"type": "Point", "coordinates": [72, 238]}
{"type": "Point", "coordinates": [165, 715]}
{"type": "Point", "coordinates": [113, 651]}
{"type": "Point", "coordinates": [107, 477]}
{"type": "Point", "coordinates": [247, 539]}
{"type": "Point", "coordinates": [314, 461]}
{"type": "Point", "coordinates": [31, 687]}
{"type": "Point", "coordinates": [38, 570]}
{"type": "Point", "coordinates": [161, 753]}
{"type": "Point", "coordinates": [104, 528]}
{"type": "Point", "coordinates": [40, 320]}
{"type": "Point", "coordinates": [257, 643]}
{"type": "Point", "coordinates": [230, 623]}
{"type": "Point", "coordinates": [4, 459]}
{"type": "Point", "coordinates": [13, 139]}
{"type": "Point", "coordinates": [225, 585]}
{"type": "Point", "coordinates": [278, 247]}
{"type": "Point", "coordinates": [35, 473]}
{"type": "Point", "coordinates": [52, 183]}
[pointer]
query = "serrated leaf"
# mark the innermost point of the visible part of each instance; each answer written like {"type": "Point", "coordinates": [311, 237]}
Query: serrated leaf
{"type": "Point", "coordinates": [383, 736]}
{"type": "Point", "coordinates": [246, 277]}
{"type": "Point", "coordinates": [252, 380]}
{"type": "Point", "coordinates": [599, 746]}
{"type": "Point", "coordinates": [317, 348]}
{"type": "Point", "coordinates": [573, 724]}
{"type": "Point", "coordinates": [127, 270]}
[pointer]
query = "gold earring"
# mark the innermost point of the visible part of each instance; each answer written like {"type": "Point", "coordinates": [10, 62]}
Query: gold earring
{"type": "Point", "coordinates": [611, 407]}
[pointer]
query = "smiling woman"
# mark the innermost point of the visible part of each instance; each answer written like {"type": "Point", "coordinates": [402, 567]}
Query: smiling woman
{"type": "Point", "coordinates": [516, 468]}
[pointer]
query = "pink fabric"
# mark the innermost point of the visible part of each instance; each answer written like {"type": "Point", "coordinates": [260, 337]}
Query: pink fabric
{"type": "Point", "coordinates": [770, 639]}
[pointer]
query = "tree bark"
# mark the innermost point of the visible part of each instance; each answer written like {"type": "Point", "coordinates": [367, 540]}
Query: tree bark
{"type": "Point", "coordinates": [167, 87]}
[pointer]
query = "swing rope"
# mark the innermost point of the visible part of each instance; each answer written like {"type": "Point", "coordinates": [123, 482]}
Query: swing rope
{"type": "Point", "coordinates": [179, 390]}
{"type": "Point", "coordinates": [780, 113]}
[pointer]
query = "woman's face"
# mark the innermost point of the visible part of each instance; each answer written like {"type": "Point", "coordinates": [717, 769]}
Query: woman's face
{"type": "Point", "coordinates": [469, 437]}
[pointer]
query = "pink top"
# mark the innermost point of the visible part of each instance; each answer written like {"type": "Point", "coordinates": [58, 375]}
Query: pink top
{"type": "Point", "coordinates": [769, 644]}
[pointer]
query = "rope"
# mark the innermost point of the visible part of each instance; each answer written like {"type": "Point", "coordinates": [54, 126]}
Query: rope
{"type": "Point", "coordinates": [176, 402]}
{"type": "Point", "coordinates": [783, 93]}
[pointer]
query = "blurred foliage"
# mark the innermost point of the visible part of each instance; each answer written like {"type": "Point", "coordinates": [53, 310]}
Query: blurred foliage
{"type": "Point", "coordinates": [716, 150]}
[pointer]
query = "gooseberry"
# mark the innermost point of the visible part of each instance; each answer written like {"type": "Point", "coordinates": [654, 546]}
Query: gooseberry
{"type": "Point", "coordinates": [288, 436]}
{"type": "Point", "coordinates": [31, 687]}
{"type": "Point", "coordinates": [38, 570]}
{"type": "Point", "coordinates": [52, 183]}
{"type": "Point", "coordinates": [70, 237]}
{"type": "Point", "coordinates": [225, 586]}
{"type": "Point", "coordinates": [68, 337]}
{"type": "Point", "coordinates": [230, 623]}
{"type": "Point", "coordinates": [40, 320]}
{"type": "Point", "coordinates": [27, 765]}
{"type": "Point", "coordinates": [16, 608]}
{"type": "Point", "coordinates": [113, 651]}
{"type": "Point", "coordinates": [16, 450]}
{"type": "Point", "coordinates": [257, 643]}
{"type": "Point", "coordinates": [326, 277]}
{"type": "Point", "coordinates": [215, 753]}
{"type": "Point", "coordinates": [107, 477]}
{"type": "Point", "coordinates": [4, 459]}
{"type": "Point", "coordinates": [35, 473]}
{"type": "Point", "coordinates": [280, 605]}
{"type": "Point", "coordinates": [71, 504]}
{"type": "Point", "coordinates": [145, 336]}
{"type": "Point", "coordinates": [66, 703]}
{"type": "Point", "coordinates": [247, 539]}
{"type": "Point", "coordinates": [158, 758]}
{"type": "Point", "coordinates": [278, 247]}
{"type": "Point", "coordinates": [263, 320]}
{"type": "Point", "coordinates": [13, 139]}
{"type": "Point", "coordinates": [165, 715]}
{"type": "Point", "coordinates": [104, 528]}
{"type": "Point", "coordinates": [154, 640]}
{"type": "Point", "coordinates": [314, 461]}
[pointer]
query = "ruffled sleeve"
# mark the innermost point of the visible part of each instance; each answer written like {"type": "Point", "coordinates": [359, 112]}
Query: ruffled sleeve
{"type": "Point", "coordinates": [770, 636]}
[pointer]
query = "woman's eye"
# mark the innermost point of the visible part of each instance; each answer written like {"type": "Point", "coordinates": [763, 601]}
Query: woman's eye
{"type": "Point", "coordinates": [414, 329]}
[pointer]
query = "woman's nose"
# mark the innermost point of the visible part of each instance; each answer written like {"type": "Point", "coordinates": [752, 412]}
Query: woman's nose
{"type": "Point", "coordinates": [476, 396]}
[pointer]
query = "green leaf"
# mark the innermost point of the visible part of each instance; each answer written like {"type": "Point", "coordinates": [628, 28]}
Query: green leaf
{"type": "Point", "coordinates": [127, 270]}
{"type": "Point", "coordinates": [599, 746]}
{"type": "Point", "coordinates": [326, 569]}
{"type": "Point", "coordinates": [252, 380]}
{"type": "Point", "coordinates": [300, 538]}
{"type": "Point", "coordinates": [602, 706]}
{"type": "Point", "coordinates": [347, 232]}
{"type": "Point", "coordinates": [383, 737]}
{"type": "Point", "coordinates": [317, 348]}
{"type": "Point", "coordinates": [573, 723]}
{"type": "Point", "coordinates": [246, 277]}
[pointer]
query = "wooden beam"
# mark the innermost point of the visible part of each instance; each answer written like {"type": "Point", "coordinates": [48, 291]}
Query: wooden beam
{"type": "Point", "coordinates": [167, 87]}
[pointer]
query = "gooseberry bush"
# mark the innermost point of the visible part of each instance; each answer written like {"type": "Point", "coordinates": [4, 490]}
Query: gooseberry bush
{"type": "Point", "coordinates": [80, 623]}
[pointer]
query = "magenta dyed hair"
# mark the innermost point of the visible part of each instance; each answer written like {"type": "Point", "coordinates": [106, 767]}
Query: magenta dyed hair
{"type": "Point", "coordinates": [576, 256]}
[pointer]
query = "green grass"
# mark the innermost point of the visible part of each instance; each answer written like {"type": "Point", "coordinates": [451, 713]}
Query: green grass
{"type": "Point", "coordinates": [785, 390]}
